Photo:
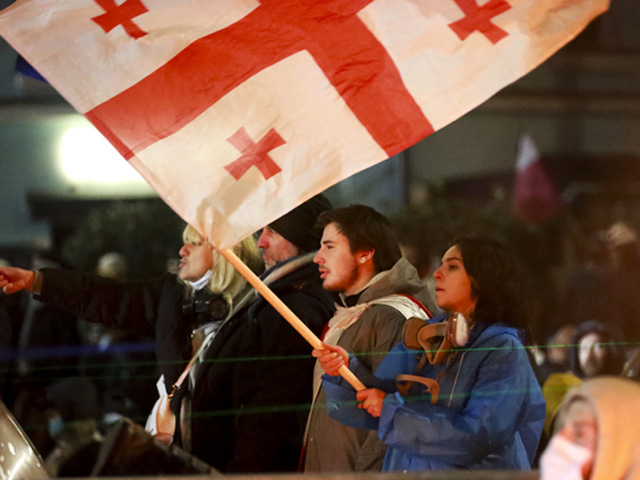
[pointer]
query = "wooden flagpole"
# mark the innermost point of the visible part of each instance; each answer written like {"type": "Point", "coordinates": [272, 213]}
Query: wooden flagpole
{"type": "Point", "coordinates": [286, 312]}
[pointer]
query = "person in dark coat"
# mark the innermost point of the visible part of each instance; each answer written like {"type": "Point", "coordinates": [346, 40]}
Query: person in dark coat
{"type": "Point", "coordinates": [253, 390]}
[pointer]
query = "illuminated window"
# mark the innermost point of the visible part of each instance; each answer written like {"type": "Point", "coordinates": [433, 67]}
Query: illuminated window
{"type": "Point", "coordinates": [87, 157]}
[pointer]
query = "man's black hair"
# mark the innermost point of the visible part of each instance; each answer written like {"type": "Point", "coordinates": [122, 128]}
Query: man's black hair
{"type": "Point", "coordinates": [366, 229]}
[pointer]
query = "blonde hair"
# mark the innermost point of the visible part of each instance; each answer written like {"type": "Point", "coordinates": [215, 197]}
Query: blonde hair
{"type": "Point", "coordinates": [225, 279]}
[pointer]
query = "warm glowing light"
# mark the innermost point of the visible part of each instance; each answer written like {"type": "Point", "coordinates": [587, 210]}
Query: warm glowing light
{"type": "Point", "coordinates": [86, 156]}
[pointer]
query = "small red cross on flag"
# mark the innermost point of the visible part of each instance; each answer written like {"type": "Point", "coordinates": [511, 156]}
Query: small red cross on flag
{"type": "Point", "coordinates": [254, 154]}
{"type": "Point", "coordinates": [121, 15]}
{"type": "Point", "coordinates": [478, 17]}
{"type": "Point", "coordinates": [235, 112]}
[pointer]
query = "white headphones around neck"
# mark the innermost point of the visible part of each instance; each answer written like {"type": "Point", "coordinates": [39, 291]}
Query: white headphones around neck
{"type": "Point", "coordinates": [436, 339]}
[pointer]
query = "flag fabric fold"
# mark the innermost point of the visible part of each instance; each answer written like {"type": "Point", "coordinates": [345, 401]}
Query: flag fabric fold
{"type": "Point", "coordinates": [236, 111]}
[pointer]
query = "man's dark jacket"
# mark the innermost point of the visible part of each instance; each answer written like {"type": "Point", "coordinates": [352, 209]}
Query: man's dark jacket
{"type": "Point", "coordinates": [253, 390]}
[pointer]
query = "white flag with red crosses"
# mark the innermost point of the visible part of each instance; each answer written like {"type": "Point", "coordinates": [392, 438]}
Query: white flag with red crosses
{"type": "Point", "coordinates": [236, 111]}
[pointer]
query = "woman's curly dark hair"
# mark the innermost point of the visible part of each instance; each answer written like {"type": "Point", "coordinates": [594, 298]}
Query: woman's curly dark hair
{"type": "Point", "coordinates": [498, 284]}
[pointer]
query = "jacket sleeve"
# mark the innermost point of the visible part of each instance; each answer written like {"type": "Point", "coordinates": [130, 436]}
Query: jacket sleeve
{"type": "Point", "coordinates": [341, 397]}
{"type": "Point", "coordinates": [273, 385]}
{"type": "Point", "coordinates": [131, 306]}
{"type": "Point", "coordinates": [488, 421]}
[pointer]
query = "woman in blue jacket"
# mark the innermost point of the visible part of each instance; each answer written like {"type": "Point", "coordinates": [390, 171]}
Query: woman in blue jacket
{"type": "Point", "coordinates": [459, 390]}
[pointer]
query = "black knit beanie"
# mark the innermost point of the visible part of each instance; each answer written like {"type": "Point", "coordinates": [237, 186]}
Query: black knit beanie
{"type": "Point", "coordinates": [298, 226]}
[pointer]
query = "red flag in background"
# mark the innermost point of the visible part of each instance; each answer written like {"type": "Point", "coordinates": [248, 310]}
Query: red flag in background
{"type": "Point", "coordinates": [236, 111]}
{"type": "Point", "coordinates": [535, 198]}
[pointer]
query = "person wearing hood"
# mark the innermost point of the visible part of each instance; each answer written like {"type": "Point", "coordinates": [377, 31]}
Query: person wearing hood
{"type": "Point", "coordinates": [597, 437]}
{"type": "Point", "coordinates": [458, 392]}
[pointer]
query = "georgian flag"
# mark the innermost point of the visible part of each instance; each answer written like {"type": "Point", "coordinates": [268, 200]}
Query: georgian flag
{"type": "Point", "coordinates": [236, 111]}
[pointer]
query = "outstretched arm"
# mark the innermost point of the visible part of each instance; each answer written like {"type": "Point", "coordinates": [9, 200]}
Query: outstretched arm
{"type": "Point", "coordinates": [14, 279]}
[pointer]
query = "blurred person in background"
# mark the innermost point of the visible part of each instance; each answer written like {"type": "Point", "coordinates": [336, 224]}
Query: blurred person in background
{"type": "Point", "coordinates": [555, 357]}
{"type": "Point", "coordinates": [596, 349]}
{"type": "Point", "coordinates": [606, 286]}
{"type": "Point", "coordinates": [73, 415]}
{"type": "Point", "coordinates": [631, 367]}
{"type": "Point", "coordinates": [593, 351]}
{"type": "Point", "coordinates": [597, 436]}
{"type": "Point", "coordinates": [49, 347]}
{"type": "Point", "coordinates": [623, 314]}
{"type": "Point", "coordinates": [120, 363]}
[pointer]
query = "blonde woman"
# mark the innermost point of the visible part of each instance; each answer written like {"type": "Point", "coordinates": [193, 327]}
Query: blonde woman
{"type": "Point", "coordinates": [214, 286]}
{"type": "Point", "coordinates": [173, 309]}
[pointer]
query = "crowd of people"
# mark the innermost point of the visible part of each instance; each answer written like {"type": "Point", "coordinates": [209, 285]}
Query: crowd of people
{"type": "Point", "coordinates": [240, 389]}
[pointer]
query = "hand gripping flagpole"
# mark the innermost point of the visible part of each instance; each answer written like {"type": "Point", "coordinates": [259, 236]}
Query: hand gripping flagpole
{"type": "Point", "coordinates": [286, 312]}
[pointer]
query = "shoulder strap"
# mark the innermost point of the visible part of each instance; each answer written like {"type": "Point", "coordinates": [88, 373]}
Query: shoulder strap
{"type": "Point", "coordinates": [405, 304]}
{"type": "Point", "coordinates": [433, 387]}
{"type": "Point", "coordinates": [419, 304]}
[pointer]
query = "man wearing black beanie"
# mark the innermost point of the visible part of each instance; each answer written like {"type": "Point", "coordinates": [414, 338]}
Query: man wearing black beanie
{"type": "Point", "coordinates": [252, 391]}
{"type": "Point", "coordinates": [294, 233]}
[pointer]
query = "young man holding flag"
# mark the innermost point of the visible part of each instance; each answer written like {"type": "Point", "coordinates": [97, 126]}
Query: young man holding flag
{"type": "Point", "coordinates": [360, 259]}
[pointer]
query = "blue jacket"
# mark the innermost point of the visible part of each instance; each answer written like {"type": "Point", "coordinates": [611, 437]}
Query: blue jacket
{"type": "Point", "coordinates": [489, 413]}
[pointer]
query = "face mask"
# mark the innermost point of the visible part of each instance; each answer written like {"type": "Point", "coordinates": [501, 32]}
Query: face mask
{"type": "Point", "coordinates": [563, 460]}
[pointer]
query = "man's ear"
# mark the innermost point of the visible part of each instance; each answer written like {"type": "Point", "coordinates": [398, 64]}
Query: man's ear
{"type": "Point", "coordinates": [364, 256]}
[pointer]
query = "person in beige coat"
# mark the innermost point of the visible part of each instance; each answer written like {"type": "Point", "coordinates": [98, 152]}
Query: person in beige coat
{"type": "Point", "coordinates": [597, 435]}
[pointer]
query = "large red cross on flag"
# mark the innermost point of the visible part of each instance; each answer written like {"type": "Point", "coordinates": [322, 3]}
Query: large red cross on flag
{"type": "Point", "coordinates": [235, 111]}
